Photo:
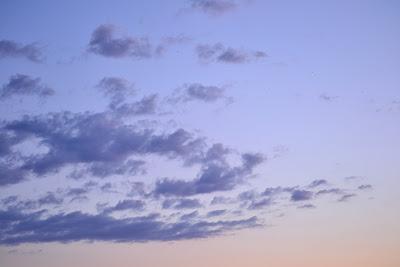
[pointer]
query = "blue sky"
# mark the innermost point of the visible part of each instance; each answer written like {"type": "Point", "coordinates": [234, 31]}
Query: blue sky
{"type": "Point", "coordinates": [183, 123]}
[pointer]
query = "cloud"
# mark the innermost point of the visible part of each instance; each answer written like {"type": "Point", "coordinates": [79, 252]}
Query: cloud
{"type": "Point", "coordinates": [146, 106]}
{"type": "Point", "coordinates": [50, 199]}
{"type": "Point", "coordinates": [327, 98]}
{"type": "Point", "coordinates": [103, 42]}
{"type": "Point", "coordinates": [116, 88]}
{"type": "Point", "coordinates": [317, 183]}
{"type": "Point", "coordinates": [307, 206]}
{"type": "Point", "coordinates": [219, 53]}
{"type": "Point", "coordinates": [101, 144]}
{"type": "Point", "coordinates": [11, 175]}
{"type": "Point", "coordinates": [127, 204]}
{"type": "Point", "coordinates": [198, 92]}
{"type": "Point", "coordinates": [189, 216]}
{"type": "Point", "coordinates": [20, 84]}
{"type": "Point", "coordinates": [183, 203]}
{"type": "Point", "coordinates": [12, 49]}
{"type": "Point", "coordinates": [365, 187]}
{"type": "Point", "coordinates": [216, 213]}
{"type": "Point", "coordinates": [44, 201]}
{"type": "Point", "coordinates": [301, 195]}
{"type": "Point", "coordinates": [259, 204]}
{"type": "Point", "coordinates": [169, 41]}
{"type": "Point", "coordinates": [336, 191]}
{"type": "Point", "coordinates": [213, 7]}
{"type": "Point", "coordinates": [272, 191]}
{"type": "Point", "coordinates": [346, 197]}
{"type": "Point", "coordinates": [212, 178]}
{"type": "Point", "coordinates": [18, 228]}
{"type": "Point", "coordinates": [221, 200]}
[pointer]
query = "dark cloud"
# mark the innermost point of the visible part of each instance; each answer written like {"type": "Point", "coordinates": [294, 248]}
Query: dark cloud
{"type": "Point", "coordinates": [50, 199]}
{"type": "Point", "coordinates": [216, 213]}
{"type": "Point", "coordinates": [9, 200]}
{"type": "Point", "coordinates": [259, 204]}
{"type": "Point", "coordinates": [146, 106]}
{"type": "Point", "coordinates": [11, 175]}
{"type": "Point", "coordinates": [44, 201]}
{"type": "Point", "coordinates": [346, 197]}
{"type": "Point", "coordinates": [12, 49]}
{"type": "Point", "coordinates": [335, 191]}
{"type": "Point", "coordinates": [219, 53]}
{"type": "Point", "coordinates": [301, 195]}
{"type": "Point", "coordinates": [365, 187]}
{"type": "Point", "coordinates": [77, 192]}
{"type": "Point", "coordinates": [108, 188]}
{"type": "Point", "coordinates": [105, 169]}
{"type": "Point", "coordinates": [103, 42]}
{"type": "Point", "coordinates": [183, 203]}
{"type": "Point", "coordinates": [199, 92]}
{"type": "Point", "coordinates": [117, 89]}
{"type": "Point", "coordinates": [307, 206]}
{"type": "Point", "coordinates": [213, 7]}
{"type": "Point", "coordinates": [272, 191]}
{"type": "Point", "coordinates": [212, 178]}
{"type": "Point", "coordinates": [101, 143]}
{"type": "Point", "coordinates": [248, 195]}
{"type": "Point", "coordinates": [18, 228]}
{"type": "Point", "coordinates": [254, 201]}
{"type": "Point", "coordinates": [317, 183]}
{"type": "Point", "coordinates": [189, 216]}
{"type": "Point", "coordinates": [124, 205]}
{"type": "Point", "coordinates": [21, 85]}
{"type": "Point", "coordinates": [221, 200]}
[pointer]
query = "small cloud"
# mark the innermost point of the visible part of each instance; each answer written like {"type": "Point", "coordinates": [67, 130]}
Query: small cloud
{"type": "Point", "coordinates": [12, 49]}
{"type": "Point", "coordinates": [327, 98]}
{"type": "Point", "coordinates": [146, 106]}
{"type": "Point", "coordinates": [23, 85]}
{"type": "Point", "coordinates": [353, 178]}
{"type": "Point", "coordinates": [183, 203]}
{"type": "Point", "coordinates": [301, 195]}
{"type": "Point", "coordinates": [365, 187]}
{"type": "Point", "coordinates": [317, 183]}
{"type": "Point", "coordinates": [219, 53]}
{"type": "Point", "coordinates": [215, 213]}
{"type": "Point", "coordinates": [198, 92]}
{"type": "Point", "coordinates": [116, 88]}
{"type": "Point", "coordinates": [170, 41]}
{"type": "Point", "coordinates": [346, 197]}
{"type": "Point", "coordinates": [124, 205]}
{"type": "Point", "coordinates": [213, 7]}
{"type": "Point", "coordinates": [307, 206]}
{"type": "Point", "coordinates": [335, 191]}
{"type": "Point", "coordinates": [103, 42]}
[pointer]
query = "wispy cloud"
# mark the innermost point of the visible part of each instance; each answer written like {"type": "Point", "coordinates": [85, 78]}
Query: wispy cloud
{"type": "Point", "coordinates": [219, 53]}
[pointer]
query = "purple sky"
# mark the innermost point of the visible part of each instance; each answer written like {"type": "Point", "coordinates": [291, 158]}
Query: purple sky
{"type": "Point", "coordinates": [187, 133]}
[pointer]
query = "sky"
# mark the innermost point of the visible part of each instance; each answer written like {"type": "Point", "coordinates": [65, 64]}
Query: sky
{"type": "Point", "coordinates": [200, 133]}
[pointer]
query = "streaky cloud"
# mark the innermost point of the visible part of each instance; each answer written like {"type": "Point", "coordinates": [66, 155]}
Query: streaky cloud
{"type": "Point", "coordinates": [219, 53]}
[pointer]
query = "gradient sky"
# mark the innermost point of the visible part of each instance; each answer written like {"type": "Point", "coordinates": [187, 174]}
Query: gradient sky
{"type": "Point", "coordinates": [200, 133]}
